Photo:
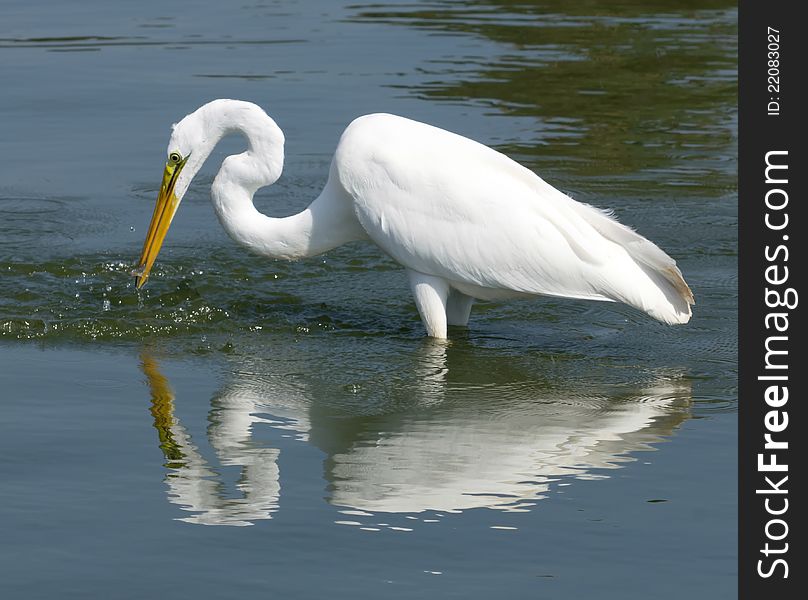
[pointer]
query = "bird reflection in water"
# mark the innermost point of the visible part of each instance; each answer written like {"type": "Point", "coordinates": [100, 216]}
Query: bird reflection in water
{"type": "Point", "coordinates": [463, 429]}
{"type": "Point", "coordinates": [191, 482]}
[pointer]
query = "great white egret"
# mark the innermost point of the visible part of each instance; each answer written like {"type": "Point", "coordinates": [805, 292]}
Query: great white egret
{"type": "Point", "coordinates": [465, 221]}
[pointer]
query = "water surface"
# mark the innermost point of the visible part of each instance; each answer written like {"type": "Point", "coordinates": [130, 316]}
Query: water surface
{"type": "Point", "coordinates": [241, 424]}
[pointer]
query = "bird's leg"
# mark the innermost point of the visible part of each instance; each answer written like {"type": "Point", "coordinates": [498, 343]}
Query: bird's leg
{"type": "Point", "coordinates": [431, 294]}
{"type": "Point", "coordinates": [458, 308]}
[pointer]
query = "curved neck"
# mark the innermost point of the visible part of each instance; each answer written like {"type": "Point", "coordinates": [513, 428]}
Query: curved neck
{"type": "Point", "coordinates": [326, 223]}
{"type": "Point", "coordinates": [288, 237]}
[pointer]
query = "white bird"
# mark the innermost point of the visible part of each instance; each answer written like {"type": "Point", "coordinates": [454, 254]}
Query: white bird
{"type": "Point", "coordinates": [465, 221]}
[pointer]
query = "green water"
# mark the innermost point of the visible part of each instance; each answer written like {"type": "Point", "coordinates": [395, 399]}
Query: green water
{"type": "Point", "coordinates": [554, 449]}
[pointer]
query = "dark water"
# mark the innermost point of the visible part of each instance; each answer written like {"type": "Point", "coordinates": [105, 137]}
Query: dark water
{"type": "Point", "coordinates": [556, 449]}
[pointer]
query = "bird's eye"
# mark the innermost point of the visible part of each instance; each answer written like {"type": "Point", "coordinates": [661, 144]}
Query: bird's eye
{"type": "Point", "coordinates": [174, 158]}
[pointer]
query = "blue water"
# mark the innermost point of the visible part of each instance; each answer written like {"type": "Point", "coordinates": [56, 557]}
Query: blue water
{"type": "Point", "coordinates": [244, 426]}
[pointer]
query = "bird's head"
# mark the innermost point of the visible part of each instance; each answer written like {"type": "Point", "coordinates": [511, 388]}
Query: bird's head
{"type": "Point", "coordinates": [192, 141]}
{"type": "Point", "coordinates": [187, 150]}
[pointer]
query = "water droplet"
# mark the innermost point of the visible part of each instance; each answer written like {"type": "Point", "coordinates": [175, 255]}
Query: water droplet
{"type": "Point", "coordinates": [106, 305]}
{"type": "Point", "coordinates": [131, 228]}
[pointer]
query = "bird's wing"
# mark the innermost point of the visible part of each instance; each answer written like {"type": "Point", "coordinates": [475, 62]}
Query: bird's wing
{"type": "Point", "coordinates": [444, 205]}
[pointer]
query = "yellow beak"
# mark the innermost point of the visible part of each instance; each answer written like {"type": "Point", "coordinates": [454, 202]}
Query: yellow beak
{"type": "Point", "coordinates": [164, 211]}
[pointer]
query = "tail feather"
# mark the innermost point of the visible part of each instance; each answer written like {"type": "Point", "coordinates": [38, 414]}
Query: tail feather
{"type": "Point", "coordinates": [659, 267]}
{"type": "Point", "coordinates": [674, 307]}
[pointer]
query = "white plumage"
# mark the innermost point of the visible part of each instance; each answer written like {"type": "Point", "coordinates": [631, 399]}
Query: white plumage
{"type": "Point", "coordinates": [466, 221]}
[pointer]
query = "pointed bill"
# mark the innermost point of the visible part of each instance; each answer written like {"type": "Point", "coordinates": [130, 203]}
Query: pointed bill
{"type": "Point", "coordinates": [164, 211]}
